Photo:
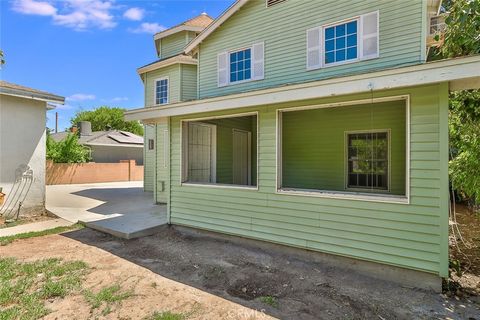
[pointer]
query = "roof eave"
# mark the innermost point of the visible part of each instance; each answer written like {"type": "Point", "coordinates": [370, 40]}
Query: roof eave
{"type": "Point", "coordinates": [167, 62]}
{"type": "Point", "coordinates": [177, 29]}
{"type": "Point", "coordinates": [34, 96]}
{"type": "Point", "coordinates": [460, 73]}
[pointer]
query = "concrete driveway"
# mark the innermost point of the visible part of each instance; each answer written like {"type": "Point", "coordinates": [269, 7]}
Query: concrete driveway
{"type": "Point", "coordinates": [119, 208]}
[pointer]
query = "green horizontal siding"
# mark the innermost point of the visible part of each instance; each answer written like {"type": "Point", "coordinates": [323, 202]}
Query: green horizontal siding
{"type": "Point", "coordinates": [174, 44]}
{"type": "Point", "coordinates": [173, 73]}
{"type": "Point", "coordinates": [189, 82]}
{"type": "Point", "coordinates": [149, 160]}
{"type": "Point", "coordinates": [312, 162]}
{"type": "Point", "coordinates": [283, 29]}
{"type": "Point", "coordinates": [162, 185]}
{"type": "Point", "coordinates": [406, 235]}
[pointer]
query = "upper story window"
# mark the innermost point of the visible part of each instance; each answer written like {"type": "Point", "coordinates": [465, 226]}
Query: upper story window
{"type": "Point", "coordinates": [343, 42]}
{"type": "Point", "coordinates": [161, 91]}
{"type": "Point", "coordinates": [240, 65]}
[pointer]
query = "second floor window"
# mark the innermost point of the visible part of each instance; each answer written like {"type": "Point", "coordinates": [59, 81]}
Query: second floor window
{"type": "Point", "coordinates": [341, 42]}
{"type": "Point", "coordinates": [161, 91]}
{"type": "Point", "coordinates": [241, 65]}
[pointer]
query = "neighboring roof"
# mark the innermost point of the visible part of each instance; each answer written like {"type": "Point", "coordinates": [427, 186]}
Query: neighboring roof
{"type": "Point", "coordinates": [106, 138]}
{"type": "Point", "coordinates": [215, 24]}
{"type": "Point", "coordinates": [196, 24]}
{"type": "Point", "coordinates": [16, 90]}
{"type": "Point", "coordinates": [459, 73]}
{"type": "Point", "coordinates": [167, 62]}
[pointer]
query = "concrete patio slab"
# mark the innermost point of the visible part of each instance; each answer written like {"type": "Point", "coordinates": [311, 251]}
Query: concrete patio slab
{"type": "Point", "coordinates": [35, 227]}
{"type": "Point", "coordinates": [122, 209]}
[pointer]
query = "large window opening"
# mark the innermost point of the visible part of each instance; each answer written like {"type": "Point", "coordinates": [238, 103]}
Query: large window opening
{"type": "Point", "coordinates": [220, 151]}
{"type": "Point", "coordinates": [345, 149]}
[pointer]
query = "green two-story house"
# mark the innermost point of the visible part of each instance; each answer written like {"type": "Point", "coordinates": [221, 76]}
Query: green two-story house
{"type": "Point", "coordinates": [313, 124]}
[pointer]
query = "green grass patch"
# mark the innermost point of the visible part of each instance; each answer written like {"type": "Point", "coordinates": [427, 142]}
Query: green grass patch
{"type": "Point", "coordinates": [167, 315]}
{"type": "Point", "coordinates": [106, 297]}
{"type": "Point", "coordinates": [271, 301]}
{"type": "Point", "coordinates": [9, 239]}
{"type": "Point", "coordinates": [24, 286]}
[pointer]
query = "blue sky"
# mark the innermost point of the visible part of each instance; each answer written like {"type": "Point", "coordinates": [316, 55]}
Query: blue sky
{"type": "Point", "coordinates": [87, 50]}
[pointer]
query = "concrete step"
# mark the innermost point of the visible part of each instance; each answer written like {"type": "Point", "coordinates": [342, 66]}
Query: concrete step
{"type": "Point", "coordinates": [130, 226]}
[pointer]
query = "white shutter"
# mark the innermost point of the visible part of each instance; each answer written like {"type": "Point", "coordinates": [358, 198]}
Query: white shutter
{"type": "Point", "coordinates": [369, 35]}
{"type": "Point", "coordinates": [258, 61]}
{"type": "Point", "coordinates": [222, 69]}
{"type": "Point", "coordinates": [314, 48]}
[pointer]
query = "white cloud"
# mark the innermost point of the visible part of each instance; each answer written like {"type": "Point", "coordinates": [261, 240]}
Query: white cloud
{"type": "Point", "coordinates": [80, 97]}
{"type": "Point", "coordinates": [119, 99]}
{"type": "Point", "coordinates": [135, 14]}
{"type": "Point", "coordinates": [76, 14]}
{"type": "Point", "coordinates": [147, 27]}
{"type": "Point", "coordinates": [40, 8]}
{"type": "Point", "coordinates": [83, 14]}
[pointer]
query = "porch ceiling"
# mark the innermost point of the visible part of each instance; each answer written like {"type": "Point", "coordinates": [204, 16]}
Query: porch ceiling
{"type": "Point", "coordinates": [460, 73]}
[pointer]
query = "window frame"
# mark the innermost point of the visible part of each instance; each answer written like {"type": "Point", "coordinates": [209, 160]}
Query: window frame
{"type": "Point", "coordinates": [151, 144]}
{"type": "Point", "coordinates": [346, 195]}
{"type": "Point", "coordinates": [389, 167]}
{"type": "Point", "coordinates": [334, 24]}
{"type": "Point", "coordinates": [229, 52]}
{"type": "Point", "coordinates": [216, 185]}
{"type": "Point", "coordinates": [155, 91]}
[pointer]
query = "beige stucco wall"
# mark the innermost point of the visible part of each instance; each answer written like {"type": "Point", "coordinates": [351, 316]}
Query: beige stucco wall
{"type": "Point", "coordinates": [22, 141]}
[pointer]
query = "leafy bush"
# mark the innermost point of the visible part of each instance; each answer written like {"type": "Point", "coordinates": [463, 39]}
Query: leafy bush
{"type": "Point", "coordinates": [67, 150]}
{"type": "Point", "coordinates": [104, 117]}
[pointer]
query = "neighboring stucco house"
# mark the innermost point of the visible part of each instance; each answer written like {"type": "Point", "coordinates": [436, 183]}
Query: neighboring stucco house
{"type": "Point", "coordinates": [320, 129]}
{"type": "Point", "coordinates": [109, 146]}
{"type": "Point", "coordinates": [22, 147]}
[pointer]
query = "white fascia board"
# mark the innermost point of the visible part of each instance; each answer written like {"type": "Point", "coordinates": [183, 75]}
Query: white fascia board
{"type": "Point", "coordinates": [459, 72]}
{"type": "Point", "coordinates": [214, 25]}
{"type": "Point", "coordinates": [168, 62]}
{"type": "Point", "coordinates": [174, 30]}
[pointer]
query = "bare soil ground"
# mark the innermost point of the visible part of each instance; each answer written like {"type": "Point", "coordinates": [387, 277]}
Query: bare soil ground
{"type": "Point", "coordinates": [24, 220]}
{"type": "Point", "coordinates": [210, 278]}
{"type": "Point", "coordinates": [465, 250]}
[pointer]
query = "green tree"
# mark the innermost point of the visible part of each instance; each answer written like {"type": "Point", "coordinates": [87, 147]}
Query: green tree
{"type": "Point", "coordinates": [67, 151]}
{"type": "Point", "coordinates": [104, 117]}
{"type": "Point", "coordinates": [462, 37]}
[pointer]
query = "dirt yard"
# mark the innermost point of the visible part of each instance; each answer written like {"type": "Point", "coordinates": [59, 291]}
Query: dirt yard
{"type": "Point", "coordinates": [208, 278]}
{"type": "Point", "coordinates": [465, 251]}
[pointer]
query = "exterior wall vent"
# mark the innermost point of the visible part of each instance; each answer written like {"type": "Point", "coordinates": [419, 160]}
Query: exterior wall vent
{"type": "Point", "coordinates": [436, 31]}
{"type": "Point", "coordinates": [271, 3]}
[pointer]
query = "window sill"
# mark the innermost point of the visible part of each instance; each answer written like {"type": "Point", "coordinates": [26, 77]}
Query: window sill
{"type": "Point", "coordinates": [358, 196]}
{"type": "Point", "coordinates": [218, 185]}
{"type": "Point", "coordinates": [341, 63]}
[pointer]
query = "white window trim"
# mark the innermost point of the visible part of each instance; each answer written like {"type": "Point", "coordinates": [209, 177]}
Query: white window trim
{"type": "Point", "coordinates": [358, 196]}
{"type": "Point", "coordinates": [339, 63]}
{"type": "Point", "coordinates": [229, 83]}
{"type": "Point", "coordinates": [366, 190]}
{"type": "Point", "coordinates": [359, 43]}
{"type": "Point", "coordinates": [215, 185]}
{"type": "Point", "coordinates": [155, 91]}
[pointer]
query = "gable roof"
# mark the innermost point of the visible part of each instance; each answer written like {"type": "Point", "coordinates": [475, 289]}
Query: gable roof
{"type": "Point", "coordinates": [197, 24]}
{"type": "Point", "coordinates": [214, 25]}
{"type": "Point", "coordinates": [108, 138]}
{"type": "Point", "coordinates": [17, 90]}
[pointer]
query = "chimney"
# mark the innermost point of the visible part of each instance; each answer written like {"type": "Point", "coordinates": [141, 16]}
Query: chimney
{"type": "Point", "coordinates": [85, 128]}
